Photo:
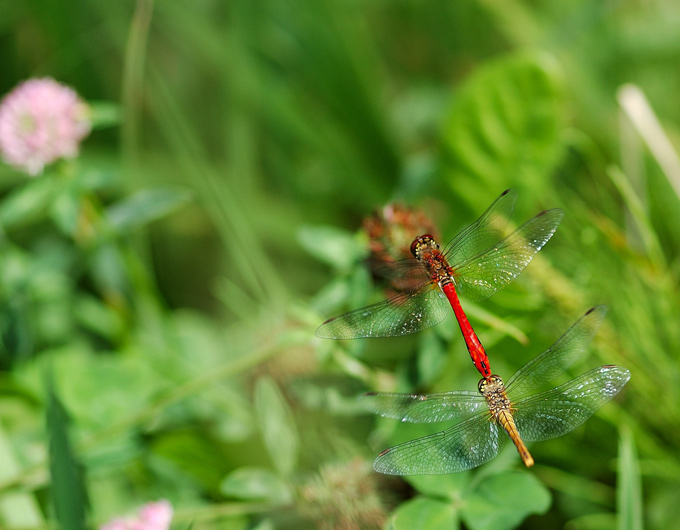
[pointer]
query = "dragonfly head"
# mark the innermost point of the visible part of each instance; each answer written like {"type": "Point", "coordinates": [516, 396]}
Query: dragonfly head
{"type": "Point", "coordinates": [422, 244]}
{"type": "Point", "coordinates": [490, 384]}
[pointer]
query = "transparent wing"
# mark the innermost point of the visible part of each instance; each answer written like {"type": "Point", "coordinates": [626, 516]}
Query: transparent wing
{"type": "Point", "coordinates": [479, 276]}
{"type": "Point", "coordinates": [566, 351]}
{"type": "Point", "coordinates": [484, 232]}
{"type": "Point", "coordinates": [464, 446]}
{"type": "Point", "coordinates": [405, 275]}
{"type": "Point", "coordinates": [405, 313]}
{"type": "Point", "coordinates": [424, 408]}
{"type": "Point", "coordinates": [562, 409]}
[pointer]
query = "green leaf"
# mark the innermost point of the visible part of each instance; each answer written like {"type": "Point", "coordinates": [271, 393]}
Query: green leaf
{"type": "Point", "coordinates": [98, 317]}
{"type": "Point", "coordinates": [68, 486]}
{"type": "Point", "coordinates": [450, 487]}
{"type": "Point", "coordinates": [255, 483]}
{"type": "Point", "coordinates": [432, 358]}
{"type": "Point", "coordinates": [28, 203]}
{"type": "Point", "coordinates": [629, 487]}
{"type": "Point", "coordinates": [18, 509]}
{"type": "Point", "coordinates": [65, 209]}
{"type": "Point", "coordinates": [276, 425]}
{"type": "Point", "coordinates": [337, 248]}
{"type": "Point", "coordinates": [504, 127]}
{"type": "Point", "coordinates": [502, 501]}
{"type": "Point", "coordinates": [104, 114]}
{"type": "Point", "coordinates": [145, 206]}
{"type": "Point", "coordinates": [424, 514]}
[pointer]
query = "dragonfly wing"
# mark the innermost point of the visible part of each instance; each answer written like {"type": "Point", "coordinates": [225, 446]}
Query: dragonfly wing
{"type": "Point", "coordinates": [464, 446]}
{"type": "Point", "coordinates": [566, 351]}
{"type": "Point", "coordinates": [405, 313]}
{"type": "Point", "coordinates": [480, 276]}
{"type": "Point", "coordinates": [406, 274]}
{"type": "Point", "coordinates": [562, 409]}
{"type": "Point", "coordinates": [484, 232]}
{"type": "Point", "coordinates": [424, 408]}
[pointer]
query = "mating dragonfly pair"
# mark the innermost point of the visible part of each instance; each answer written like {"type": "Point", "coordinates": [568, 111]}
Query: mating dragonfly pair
{"type": "Point", "coordinates": [476, 263]}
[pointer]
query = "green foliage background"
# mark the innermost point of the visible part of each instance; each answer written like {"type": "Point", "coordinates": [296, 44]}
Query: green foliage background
{"type": "Point", "coordinates": [170, 280]}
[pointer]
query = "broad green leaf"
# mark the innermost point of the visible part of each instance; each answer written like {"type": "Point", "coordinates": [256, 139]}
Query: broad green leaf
{"type": "Point", "coordinates": [69, 495]}
{"type": "Point", "coordinates": [276, 425]}
{"type": "Point", "coordinates": [122, 383]}
{"type": "Point", "coordinates": [337, 248]}
{"type": "Point", "coordinates": [502, 501]}
{"type": "Point", "coordinates": [424, 514]}
{"type": "Point", "coordinates": [198, 455]}
{"type": "Point", "coordinates": [504, 127]}
{"type": "Point", "coordinates": [256, 483]}
{"type": "Point", "coordinates": [145, 206]}
{"type": "Point", "coordinates": [98, 317]}
{"type": "Point", "coordinates": [432, 358]}
{"type": "Point", "coordinates": [65, 209]}
{"type": "Point", "coordinates": [28, 203]}
{"type": "Point", "coordinates": [628, 488]}
{"type": "Point", "coordinates": [18, 509]}
{"type": "Point", "coordinates": [449, 486]}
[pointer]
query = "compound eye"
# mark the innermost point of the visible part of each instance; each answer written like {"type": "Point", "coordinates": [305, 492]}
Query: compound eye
{"type": "Point", "coordinates": [418, 241]}
{"type": "Point", "coordinates": [481, 386]}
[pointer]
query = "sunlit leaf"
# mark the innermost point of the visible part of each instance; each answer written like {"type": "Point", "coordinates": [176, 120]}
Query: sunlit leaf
{"type": "Point", "coordinates": [330, 245]}
{"type": "Point", "coordinates": [29, 202]}
{"type": "Point", "coordinates": [276, 425]}
{"type": "Point", "coordinates": [145, 206]}
{"type": "Point", "coordinates": [255, 483]}
{"type": "Point", "coordinates": [65, 209]}
{"type": "Point", "coordinates": [424, 514]}
{"type": "Point", "coordinates": [504, 126]}
{"type": "Point", "coordinates": [68, 487]}
{"type": "Point", "coordinates": [449, 486]}
{"type": "Point", "coordinates": [629, 488]}
{"type": "Point", "coordinates": [502, 501]}
{"type": "Point", "coordinates": [432, 358]}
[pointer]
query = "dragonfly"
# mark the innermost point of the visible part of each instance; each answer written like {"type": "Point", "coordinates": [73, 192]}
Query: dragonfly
{"type": "Point", "coordinates": [497, 407]}
{"type": "Point", "coordinates": [476, 263]}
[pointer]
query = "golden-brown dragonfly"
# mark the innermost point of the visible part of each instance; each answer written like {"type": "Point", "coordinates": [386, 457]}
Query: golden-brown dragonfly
{"type": "Point", "coordinates": [513, 408]}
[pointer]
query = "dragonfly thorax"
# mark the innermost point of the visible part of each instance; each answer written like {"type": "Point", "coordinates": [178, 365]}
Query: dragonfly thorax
{"type": "Point", "coordinates": [493, 390]}
{"type": "Point", "coordinates": [426, 250]}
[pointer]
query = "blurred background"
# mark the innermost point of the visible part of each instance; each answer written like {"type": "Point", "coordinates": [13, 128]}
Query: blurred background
{"type": "Point", "coordinates": [160, 293]}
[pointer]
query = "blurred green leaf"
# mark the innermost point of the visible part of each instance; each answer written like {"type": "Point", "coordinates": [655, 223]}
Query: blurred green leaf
{"type": "Point", "coordinates": [629, 486]}
{"type": "Point", "coordinates": [432, 358]}
{"type": "Point", "coordinates": [98, 317]}
{"type": "Point", "coordinates": [65, 208]}
{"type": "Point", "coordinates": [256, 483]}
{"type": "Point", "coordinates": [504, 126]}
{"type": "Point", "coordinates": [332, 246]}
{"type": "Point", "coordinates": [276, 425]}
{"type": "Point", "coordinates": [69, 494]}
{"type": "Point", "coordinates": [104, 114]}
{"type": "Point", "coordinates": [424, 514]}
{"type": "Point", "coordinates": [199, 455]}
{"type": "Point", "coordinates": [449, 486]}
{"type": "Point", "coordinates": [122, 383]}
{"type": "Point", "coordinates": [29, 202]}
{"type": "Point", "coordinates": [18, 509]}
{"type": "Point", "coordinates": [145, 206]}
{"type": "Point", "coordinates": [501, 502]}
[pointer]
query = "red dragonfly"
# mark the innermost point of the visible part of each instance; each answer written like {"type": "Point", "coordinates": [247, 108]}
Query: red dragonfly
{"type": "Point", "coordinates": [510, 408]}
{"type": "Point", "coordinates": [476, 263]}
